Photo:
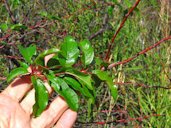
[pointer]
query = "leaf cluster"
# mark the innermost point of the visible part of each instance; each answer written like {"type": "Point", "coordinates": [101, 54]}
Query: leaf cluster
{"type": "Point", "coordinates": [62, 73]}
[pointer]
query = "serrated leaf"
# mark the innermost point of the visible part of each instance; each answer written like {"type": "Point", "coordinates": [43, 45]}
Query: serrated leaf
{"type": "Point", "coordinates": [27, 52]}
{"type": "Point", "coordinates": [69, 52]}
{"type": "Point", "coordinates": [88, 52]}
{"type": "Point", "coordinates": [41, 96]}
{"type": "Point", "coordinates": [16, 72]}
{"type": "Point", "coordinates": [67, 93]}
{"type": "Point", "coordinates": [40, 59]}
{"type": "Point", "coordinates": [102, 75]}
{"type": "Point", "coordinates": [83, 78]}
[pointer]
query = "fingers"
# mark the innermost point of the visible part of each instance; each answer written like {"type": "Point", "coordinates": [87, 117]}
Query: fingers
{"type": "Point", "coordinates": [67, 120]}
{"type": "Point", "coordinates": [12, 114]}
{"type": "Point", "coordinates": [28, 102]}
{"type": "Point", "coordinates": [18, 88]}
{"type": "Point", "coordinates": [51, 115]}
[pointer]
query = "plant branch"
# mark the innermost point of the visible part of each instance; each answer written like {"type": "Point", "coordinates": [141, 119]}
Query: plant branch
{"type": "Point", "coordinates": [101, 30]}
{"type": "Point", "coordinates": [10, 12]}
{"type": "Point", "coordinates": [120, 27]}
{"type": "Point", "coordinates": [5, 37]}
{"type": "Point", "coordinates": [141, 118]}
{"type": "Point", "coordinates": [140, 53]}
{"type": "Point", "coordinates": [142, 85]}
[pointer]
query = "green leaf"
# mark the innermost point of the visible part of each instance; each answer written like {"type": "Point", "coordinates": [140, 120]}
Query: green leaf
{"type": "Point", "coordinates": [98, 62]}
{"type": "Point", "coordinates": [28, 52]}
{"type": "Point", "coordinates": [90, 102]}
{"type": "Point", "coordinates": [86, 92]}
{"type": "Point", "coordinates": [110, 10]}
{"type": "Point", "coordinates": [43, 14]}
{"type": "Point", "coordinates": [4, 26]}
{"type": "Point", "coordinates": [73, 83]}
{"type": "Point", "coordinates": [88, 52]}
{"type": "Point", "coordinates": [40, 59]}
{"type": "Point", "coordinates": [22, 64]}
{"type": "Point", "coordinates": [54, 17]}
{"type": "Point", "coordinates": [16, 72]}
{"type": "Point", "coordinates": [41, 96]}
{"type": "Point", "coordinates": [102, 75]}
{"type": "Point", "coordinates": [69, 39]}
{"type": "Point", "coordinates": [54, 82]}
{"type": "Point", "coordinates": [65, 91]}
{"type": "Point", "coordinates": [128, 3]}
{"type": "Point", "coordinates": [69, 52]}
{"type": "Point", "coordinates": [3, 42]}
{"type": "Point", "coordinates": [18, 27]}
{"type": "Point", "coordinates": [115, 1]}
{"type": "Point", "coordinates": [77, 86]}
{"type": "Point", "coordinates": [16, 3]}
{"type": "Point", "coordinates": [46, 15]}
{"type": "Point", "coordinates": [82, 78]}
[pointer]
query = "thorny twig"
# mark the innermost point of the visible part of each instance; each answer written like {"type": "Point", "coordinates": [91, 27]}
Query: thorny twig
{"type": "Point", "coordinates": [120, 27]}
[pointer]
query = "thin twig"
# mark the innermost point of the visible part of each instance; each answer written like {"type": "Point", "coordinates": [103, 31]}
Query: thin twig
{"type": "Point", "coordinates": [5, 37]}
{"type": "Point", "coordinates": [101, 30]}
{"type": "Point", "coordinates": [123, 120]}
{"type": "Point", "coordinates": [10, 12]}
{"type": "Point", "coordinates": [141, 85]}
{"type": "Point", "coordinates": [140, 53]}
{"type": "Point", "coordinates": [2, 78]}
{"type": "Point", "coordinates": [120, 27]}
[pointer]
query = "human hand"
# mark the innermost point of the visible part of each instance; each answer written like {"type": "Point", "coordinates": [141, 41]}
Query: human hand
{"type": "Point", "coordinates": [16, 103]}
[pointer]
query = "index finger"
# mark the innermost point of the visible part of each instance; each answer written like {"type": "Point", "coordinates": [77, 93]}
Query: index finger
{"type": "Point", "coordinates": [18, 88]}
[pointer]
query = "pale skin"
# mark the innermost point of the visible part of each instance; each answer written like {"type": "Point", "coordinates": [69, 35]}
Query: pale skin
{"type": "Point", "coordinates": [16, 103]}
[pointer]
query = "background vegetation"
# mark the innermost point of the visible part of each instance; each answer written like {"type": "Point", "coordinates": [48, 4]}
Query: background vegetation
{"type": "Point", "coordinates": [143, 83]}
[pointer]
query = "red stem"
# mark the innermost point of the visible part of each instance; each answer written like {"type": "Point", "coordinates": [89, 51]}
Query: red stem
{"type": "Point", "coordinates": [13, 57]}
{"type": "Point", "coordinates": [120, 27]}
{"type": "Point", "coordinates": [129, 119]}
{"type": "Point", "coordinates": [140, 53]}
{"type": "Point", "coordinates": [5, 37]}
